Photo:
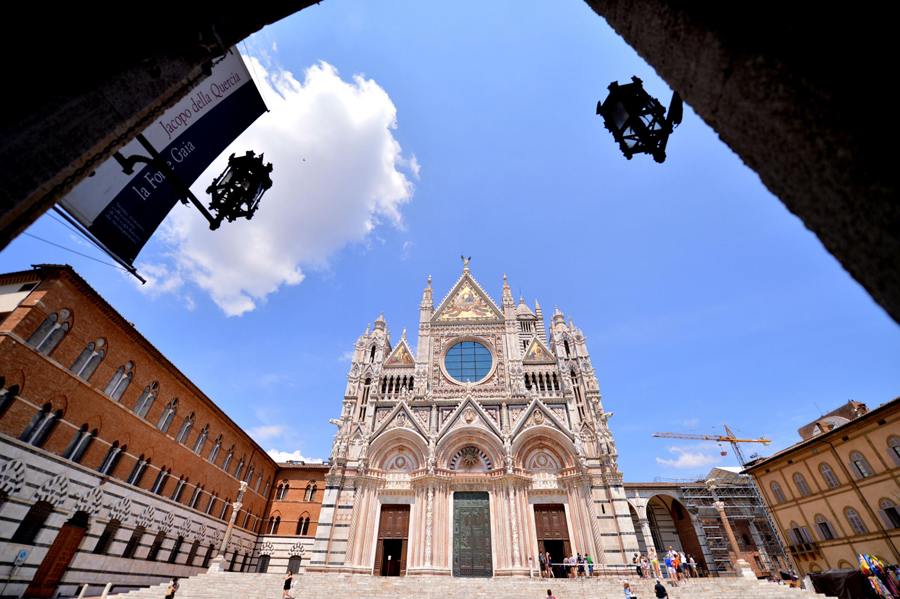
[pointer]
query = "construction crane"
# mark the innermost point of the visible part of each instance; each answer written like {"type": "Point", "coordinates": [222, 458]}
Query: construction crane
{"type": "Point", "coordinates": [729, 437]}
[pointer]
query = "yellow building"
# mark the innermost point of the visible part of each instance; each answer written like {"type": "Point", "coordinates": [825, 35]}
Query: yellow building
{"type": "Point", "coordinates": [836, 493]}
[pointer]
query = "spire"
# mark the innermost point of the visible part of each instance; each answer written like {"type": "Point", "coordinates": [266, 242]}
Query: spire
{"type": "Point", "coordinates": [368, 328]}
{"type": "Point", "coordinates": [558, 318]}
{"type": "Point", "coordinates": [427, 298]}
{"type": "Point", "coordinates": [542, 332]}
{"type": "Point", "coordinates": [507, 300]}
{"type": "Point", "coordinates": [404, 333]}
{"type": "Point", "coordinates": [379, 322]}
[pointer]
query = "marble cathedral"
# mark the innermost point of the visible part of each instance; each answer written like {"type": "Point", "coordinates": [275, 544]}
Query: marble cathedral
{"type": "Point", "coordinates": [469, 456]}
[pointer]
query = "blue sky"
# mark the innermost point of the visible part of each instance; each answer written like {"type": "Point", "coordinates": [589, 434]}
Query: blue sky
{"type": "Point", "coordinates": [470, 128]}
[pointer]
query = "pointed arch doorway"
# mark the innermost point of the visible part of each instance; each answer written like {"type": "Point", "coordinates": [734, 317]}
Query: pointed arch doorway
{"type": "Point", "coordinates": [59, 556]}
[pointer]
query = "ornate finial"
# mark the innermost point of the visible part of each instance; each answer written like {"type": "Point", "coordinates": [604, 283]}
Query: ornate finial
{"type": "Point", "coordinates": [504, 278]}
{"type": "Point", "coordinates": [429, 281]}
{"type": "Point", "coordinates": [368, 328]}
{"type": "Point", "coordinates": [404, 333]}
{"type": "Point", "coordinates": [465, 262]}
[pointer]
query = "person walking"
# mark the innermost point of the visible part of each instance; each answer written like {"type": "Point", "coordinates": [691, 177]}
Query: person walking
{"type": "Point", "coordinates": [627, 590]}
{"type": "Point", "coordinates": [173, 588]}
{"type": "Point", "coordinates": [661, 592]}
{"type": "Point", "coordinates": [542, 561]}
{"type": "Point", "coordinates": [288, 580]}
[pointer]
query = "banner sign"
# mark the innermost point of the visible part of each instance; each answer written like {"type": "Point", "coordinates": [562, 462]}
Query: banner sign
{"type": "Point", "coordinates": [122, 211]}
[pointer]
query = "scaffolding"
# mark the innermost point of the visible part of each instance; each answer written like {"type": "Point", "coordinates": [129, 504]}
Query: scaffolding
{"type": "Point", "coordinates": [742, 504]}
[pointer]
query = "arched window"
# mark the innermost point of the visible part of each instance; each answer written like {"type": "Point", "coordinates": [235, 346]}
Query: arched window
{"type": "Point", "coordinates": [372, 355]}
{"type": "Point", "coordinates": [282, 491]}
{"type": "Point", "coordinates": [239, 469]}
{"type": "Point", "coordinates": [779, 495]}
{"type": "Point", "coordinates": [249, 473]}
{"type": "Point", "coordinates": [214, 452]}
{"type": "Point", "coordinates": [890, 514]}
{"type": "Point", "coordinates": [179, 487]}
{"type": "Point", "coordinates": [268, 484]}
{"type": "Point", "coordinates": [273, 525]}
{"type": "Point", "coordinates": [209, 506]}
{"type": "Point", "coordinates": [137, 473]}
{"type": "Point", "coordinates": [258, 482]}
{"type": "Point", "coordinates": [826, 531]}
{"type": "Point", "coordinates": [228, 457]}
{"type": "Point", "coordinates": [855, 521]}
{"type": "Point", "coordinates": [894, 449]}
{"type": "Point", "coordinates": [802, 487]}
{"type": "Point", "coordinates": [41, 425]}
{"type": "Point", "coordinates": [303, 525]}
{"type": "Point", "coordinates": [7, 396]}
{"type": "Point", "coordinates": [195, 497]}
{"type": "Point", "coordinates": [364, 401]}
{"type": "Point", "coordinates": [113, 455]}
{"type": "Point", "coordinates": [88, 360]}
{"type": "Point", "coordinates": [120, 381]}
{"type": "Point", "coordinates": [859, 465]}
{"type": "Point", "coordinates": [168, 415]}
{"type": "Point", "coordinates": [566, 346]}
{"type": "Point", "coordinates": [201, 439]}
{"type": "Point", "coordinates": [79, 444]}
{"type": "Point", "coordinates": [185, 429]}
{"type": "Point", "coordinates": [828, 474]}
{"type": "Point", "coordinates": [160, 483]}
{"type": "Point", "coordinates": [107, 537]}
{"type": "Point", "coordinates": [32, 523]}
{"type": "Point", "coordinates": [51, 332]}
{"type": "Point", "coordinates": [310, 492]}
{"type": "Point", "coordinates": [145, 401]}
{"type": "Point", "coordinates": [134, 542]}
{"type": "Point", "coordinates": [799, 534]}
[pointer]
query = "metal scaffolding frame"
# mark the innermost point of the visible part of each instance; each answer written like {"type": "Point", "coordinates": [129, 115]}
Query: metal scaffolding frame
{"type": "Point", "coordinates": [742, 502]}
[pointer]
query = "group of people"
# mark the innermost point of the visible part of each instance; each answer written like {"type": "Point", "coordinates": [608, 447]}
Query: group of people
{"type": "Point", "coordinates": [679, 567]}
{"type": "Point", "coordinates": [576, 566]}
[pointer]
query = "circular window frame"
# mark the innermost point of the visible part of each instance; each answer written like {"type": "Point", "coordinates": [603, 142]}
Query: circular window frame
{"type": "Point", "coordinates": [456, 341]}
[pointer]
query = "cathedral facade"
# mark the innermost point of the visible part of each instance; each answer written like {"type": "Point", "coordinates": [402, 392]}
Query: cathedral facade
{"type": "Point", "coordinates": [484, 448]}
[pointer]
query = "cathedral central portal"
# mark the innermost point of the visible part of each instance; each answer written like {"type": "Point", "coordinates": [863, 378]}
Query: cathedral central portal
{"type": "Point", "coordinates": [475, 451]}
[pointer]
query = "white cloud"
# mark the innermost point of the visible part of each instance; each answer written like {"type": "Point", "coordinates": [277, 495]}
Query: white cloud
{"type": "Point", "coordinates": [407, 246]}
{"type": "Point", "coordinates": [692, 422]}
{"type": "Point", "coordinates": [160, 279]}
{"type": "Point", "coordinates": [346, 356]}
{"type": "Point", "coordinates": [335, 180]}
{"type": "Point", "coordinates": [293, 456]}
{"type": "Point", "coordinates": [274, 46]}
{"type": "Point", "coordinates": [266, 432]}
{"type": "Point", "coordinates": [688, 459]}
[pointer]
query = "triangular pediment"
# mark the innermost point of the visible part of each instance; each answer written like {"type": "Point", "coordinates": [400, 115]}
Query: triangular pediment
{"type": "Point", "coordinates": [538, 414]}
{"type": "Point", "coordinates": [467, 301]}
{"type": "Point", "coordinates": [469, 413]}
{"type": "Point", "coordinates": [401, 356]}
{"type": "Point", "coordinates": [401, 417]}
{"type": "Point", "coordinates": [537, 353]}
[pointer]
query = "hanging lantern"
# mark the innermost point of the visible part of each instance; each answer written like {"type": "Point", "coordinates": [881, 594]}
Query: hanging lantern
{"type": "Point", "coordinates": [637, 120]}
{"type": "Point", "coordinates": [238, 191]}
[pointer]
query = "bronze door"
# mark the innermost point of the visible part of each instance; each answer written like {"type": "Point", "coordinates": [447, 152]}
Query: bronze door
{"type": "Point", "coordinates": [552, 531]}
{"type": "Point", "coordinates": [393, 534]}
{"type": "Point", "coordinates": [471, 535]}
{"type": "Point", "coordinates": [58, 557]}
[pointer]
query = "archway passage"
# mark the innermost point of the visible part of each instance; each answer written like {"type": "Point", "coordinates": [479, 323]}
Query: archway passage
{"type": "Point", "coordinates": [552, 531]}
{"type": "Point", "coordinates": [472, 535]}
{"type": "Point", "coordinates": [60, 555]}
{"type": "Point", "coordinates": [671, 526]}
{"type": "Point", "coordinates": [393, 538]}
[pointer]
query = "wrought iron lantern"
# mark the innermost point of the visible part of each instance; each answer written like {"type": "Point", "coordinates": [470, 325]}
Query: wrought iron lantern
{"type": "Point", "coordinates": [638, 121]}
{"type": "Point", "coordinates": [238, 190]}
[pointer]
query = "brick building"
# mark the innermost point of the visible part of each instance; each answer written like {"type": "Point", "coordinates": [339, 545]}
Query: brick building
{"type": "Point", "coordinates": [836, 493]}
{"type": "Point", "coordinates": [114, 466]}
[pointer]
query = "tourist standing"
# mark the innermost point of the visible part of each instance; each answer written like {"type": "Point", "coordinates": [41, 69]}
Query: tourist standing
{"type": "Point", "coordinates": [661, 592]}
{"type": "Point", "coordinates": [645, 567]}
{"type": "Point", "coordinates": [288, 580]}
{"type": "Point", "coordinates": [550, 566]}
{"type": "Point", "coordinates": [542, 561]}
{"type": "Point", "coordinates": [670, 570]}
{"type": "Point", "coordinates": [627, 590]}
{"type": "Point", "coordinates": [637, 564]}
{"type": "Point", "coordinates": [550, 594]}
{"type": "Point", "coordinates": [694, 572]}
{"type": "Point", "coordinates": [654, 561]}
{"type": "Point", "coordinates": [590, 565]}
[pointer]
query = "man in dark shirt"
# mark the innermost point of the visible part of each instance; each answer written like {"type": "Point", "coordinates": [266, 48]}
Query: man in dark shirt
{"type": "Point", "coordinates": [660, 590]}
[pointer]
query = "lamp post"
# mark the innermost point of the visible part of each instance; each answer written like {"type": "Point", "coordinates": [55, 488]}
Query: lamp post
{"type": "Point", "coordinates": [235, 193]}
{"type": "Point", "coordinates": [637, 120]}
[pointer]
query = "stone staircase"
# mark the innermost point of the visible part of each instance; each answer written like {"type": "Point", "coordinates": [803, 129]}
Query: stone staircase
{"type": "Point", "coordinates": [233, 585]}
